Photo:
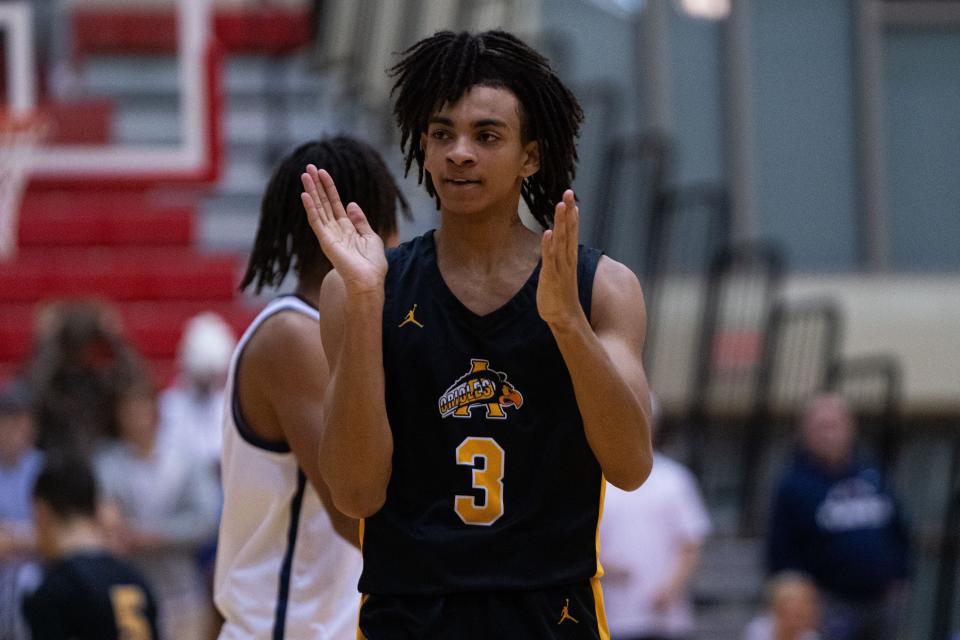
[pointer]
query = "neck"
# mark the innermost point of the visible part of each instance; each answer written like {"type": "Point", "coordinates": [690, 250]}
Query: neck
{"type": "Point", "coordinates": [308, 287]}
{"type": "Point", "coordinates": [484, 241]}
{"type": "Point", "coordinates": [78, 534]}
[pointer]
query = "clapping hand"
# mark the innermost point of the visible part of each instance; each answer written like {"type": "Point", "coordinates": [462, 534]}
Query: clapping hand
{"type": "Point", "coordinates": [345, 236]}
{"type": "Point", "coordinates": [558, 300]}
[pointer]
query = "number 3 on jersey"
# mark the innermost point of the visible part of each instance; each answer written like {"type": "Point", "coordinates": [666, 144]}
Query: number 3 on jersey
{"type": "Point", "coordinates": [488, 478]}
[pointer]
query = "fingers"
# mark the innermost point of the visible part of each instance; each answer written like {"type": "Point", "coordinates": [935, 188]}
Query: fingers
{"type": "Point", "coordinates": [359, 219]}
{"type": "Point", "coordinates": [566, 223]}
{"type": "Point", "coordinates": [312, 202]}
{"type": "Point", "coordinates": [548, 262]}
{"type": "Point", "coordinates": [318, 185]}
{"type": "Point", "coordinates": [572, 219]}
{"type": "Point", "coordinates": [313, 215]}
{"type": "Point", "coordinates": [329, 194]}
{"type": "Point", "coordinates": [559, 234]}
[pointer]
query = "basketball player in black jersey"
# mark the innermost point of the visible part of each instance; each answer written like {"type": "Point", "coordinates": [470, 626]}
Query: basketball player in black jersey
{"type": "Point", "coordinates": [86, 593]}
{"type": "Point", "coordinates": [485, 378]}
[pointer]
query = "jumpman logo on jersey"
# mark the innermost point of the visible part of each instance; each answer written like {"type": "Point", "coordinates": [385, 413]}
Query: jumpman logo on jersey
{"type": "Point", "coordinates": [410, 319]}
{"type": "Point", "coordinates": [565, 613]}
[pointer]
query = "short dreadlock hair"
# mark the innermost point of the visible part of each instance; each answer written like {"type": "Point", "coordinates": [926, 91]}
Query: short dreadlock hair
{"type": "Point", "coordinates": [284, 237]}
{"type": "Point", "coordinates": [438, 70]}
{"type": "Point", "coordinates": [67, 485]}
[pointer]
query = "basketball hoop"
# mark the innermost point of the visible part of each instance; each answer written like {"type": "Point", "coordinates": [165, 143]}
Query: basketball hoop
{"type": "Point", "coordinates": [19, 137]}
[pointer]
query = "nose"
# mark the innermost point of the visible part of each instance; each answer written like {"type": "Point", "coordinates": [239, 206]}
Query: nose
{"type": "Point", "coordinates": [461, 152]}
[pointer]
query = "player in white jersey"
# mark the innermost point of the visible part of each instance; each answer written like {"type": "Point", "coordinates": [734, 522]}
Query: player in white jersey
{"type": "Point", "coordinates": [287, 564]}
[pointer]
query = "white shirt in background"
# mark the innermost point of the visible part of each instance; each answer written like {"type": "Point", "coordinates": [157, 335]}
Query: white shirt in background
{"type": "Point", "coordinates": [764, 628]}
{"type": "Point", "coordinates": [193, 421]}
{"type": "Point", "coordinates": [641, 535]}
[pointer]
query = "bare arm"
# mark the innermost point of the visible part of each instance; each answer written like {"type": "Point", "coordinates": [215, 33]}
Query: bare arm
{"type": "Point", "coordinates": [603, 354]}
{"type": "Point", "coordinates": [283, 376]}
{"type": "Point", "coordinates": [687, 561]}
{"type": "Point", "coordinates": [356, 447]}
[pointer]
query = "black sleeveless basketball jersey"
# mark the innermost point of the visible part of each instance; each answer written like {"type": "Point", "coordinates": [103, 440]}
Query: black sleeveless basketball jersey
{"type": "Point", "coordinates": [92, 596]}
{"type": "Point", "coordinates": [493, 484]}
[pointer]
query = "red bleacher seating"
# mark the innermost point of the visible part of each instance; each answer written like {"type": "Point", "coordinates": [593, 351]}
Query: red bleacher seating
{"type": "Point", "coordinates": [122, 248]}
{"type": "Point", "coordinates": [139, 30]}
{"type": "Point", "coordinates": [51, 220]}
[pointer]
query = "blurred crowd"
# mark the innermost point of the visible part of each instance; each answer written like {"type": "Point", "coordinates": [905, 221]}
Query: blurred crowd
{"type": "Point", "coordinates": [837, 546]}
{"type": "Point", "coordinates": [87, 395]}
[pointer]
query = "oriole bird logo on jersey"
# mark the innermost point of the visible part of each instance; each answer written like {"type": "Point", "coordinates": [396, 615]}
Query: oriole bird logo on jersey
{"type": "Point", "coordinates": [483, 387]}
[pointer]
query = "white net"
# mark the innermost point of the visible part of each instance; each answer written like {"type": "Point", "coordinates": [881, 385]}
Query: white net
{"type": "Point", "coordinates": [19, 137]}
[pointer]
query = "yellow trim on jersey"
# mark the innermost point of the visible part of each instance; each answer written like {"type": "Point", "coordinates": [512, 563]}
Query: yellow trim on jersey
{"type": "Point", "coordinates": [601, 612]}
{"type": "Point", "coordinates": [603, 493]}
{"type": "Point", "coordinates": [363, 597]}
{"type": "Point", "coordinates": [595, 580]}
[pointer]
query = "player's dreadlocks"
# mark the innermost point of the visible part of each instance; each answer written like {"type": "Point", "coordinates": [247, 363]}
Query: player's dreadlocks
{"type": "Point", "coordinates": [438, 70]}
{"type": "Point", "coordinates": [284, 236]}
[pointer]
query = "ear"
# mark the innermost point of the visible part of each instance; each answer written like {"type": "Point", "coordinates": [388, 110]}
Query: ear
{"type": "Point", "coordinates": [423, 142]}
{"type": "Point", "coordinates": [531, 162]}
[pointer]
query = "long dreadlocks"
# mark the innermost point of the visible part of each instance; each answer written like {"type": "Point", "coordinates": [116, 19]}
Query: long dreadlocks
{"type": "Point", "coordinates": [284, 237]}
{"type": "Point", "coordinates": [438, 70]}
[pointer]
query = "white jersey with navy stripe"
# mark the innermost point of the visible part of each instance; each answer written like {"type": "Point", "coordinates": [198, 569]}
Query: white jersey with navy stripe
{"type": "Point", "coordinates": [282, 571]}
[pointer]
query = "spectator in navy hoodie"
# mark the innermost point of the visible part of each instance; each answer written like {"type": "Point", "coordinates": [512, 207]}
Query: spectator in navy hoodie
{"type": "Point", "coordinates": [835, 518]}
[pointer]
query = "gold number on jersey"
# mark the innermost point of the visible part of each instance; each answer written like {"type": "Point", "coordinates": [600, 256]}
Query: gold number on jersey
{"type": "Point", "coordinates": [129, 603]}
{"type": "Point", "coordinates": [488, 478]}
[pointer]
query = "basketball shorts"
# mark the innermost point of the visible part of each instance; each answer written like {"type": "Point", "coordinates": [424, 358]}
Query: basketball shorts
{"type": "Point", "coordinates": [571, 612]}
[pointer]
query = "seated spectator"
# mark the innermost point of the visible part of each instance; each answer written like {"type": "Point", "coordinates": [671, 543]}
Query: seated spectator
{"type": "Point", "coordinates": [191, 409]}
{"type": "Point", "coordinates": [80, 360]}
{"type": "Point", "coordinates": [86, 594]}
{"type": "Point", "coordinates": [20, 463]}
{"type": "Point", "coordinates": [835, 518]}
{"type": "Point", "coordinates": [793, 610]}
{"type": "Point", "coordinates": [161, 504]}
{"type": "Point", "coordinates": [650, 541]}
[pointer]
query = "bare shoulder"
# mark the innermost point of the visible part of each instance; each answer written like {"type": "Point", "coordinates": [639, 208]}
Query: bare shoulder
{"type": "Point", "coordinates": [332, 291]}
{"type": "Point", "coordinates": [279, 366]}
{"type": "Point", "coordinates": [281, 360]}
{"type": "Point", "coordinates": [616, 293]}
{"type": "Point", "coordinates": [284, 338]}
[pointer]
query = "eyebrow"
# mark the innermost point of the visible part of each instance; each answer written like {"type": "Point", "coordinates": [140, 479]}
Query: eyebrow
{"type": "Point", "coordinates": [477, 124]}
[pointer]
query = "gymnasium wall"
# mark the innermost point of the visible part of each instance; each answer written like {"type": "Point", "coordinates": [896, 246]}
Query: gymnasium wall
{"type": "Point", "coordinates": [922, 79]}
{"type": "Point", "coordinates": [803, 74]}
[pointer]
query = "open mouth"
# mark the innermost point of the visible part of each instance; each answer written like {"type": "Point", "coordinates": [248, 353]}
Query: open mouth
{"type": "Point", "coordinates": [461, 182]}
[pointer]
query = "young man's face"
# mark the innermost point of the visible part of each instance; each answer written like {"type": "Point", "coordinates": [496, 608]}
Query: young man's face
{"type": "Point", "coordinates": [828, 430]}
{"type": "Point", "coordinates": [138, 419]}
{"type": "Point", "coordinates": [796, 610]}
{"type": "Point", "coordinates": [475, 153]}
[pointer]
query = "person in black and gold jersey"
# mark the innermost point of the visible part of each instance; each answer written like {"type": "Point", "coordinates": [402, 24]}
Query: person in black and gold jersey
{"type": "Point", "coordinates": [86, 593]}
{"type": "Point", "coordinates": [485, 378]}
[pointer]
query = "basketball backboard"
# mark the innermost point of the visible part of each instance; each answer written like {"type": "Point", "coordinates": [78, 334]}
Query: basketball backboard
{"type": "Point", "coordinates": [130, 90]}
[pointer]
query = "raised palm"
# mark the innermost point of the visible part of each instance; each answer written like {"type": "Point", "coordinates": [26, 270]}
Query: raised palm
{"type": "Point", "coordinates": [345, 236]}
{"type": "Point", "coordinates": [558, 300]}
